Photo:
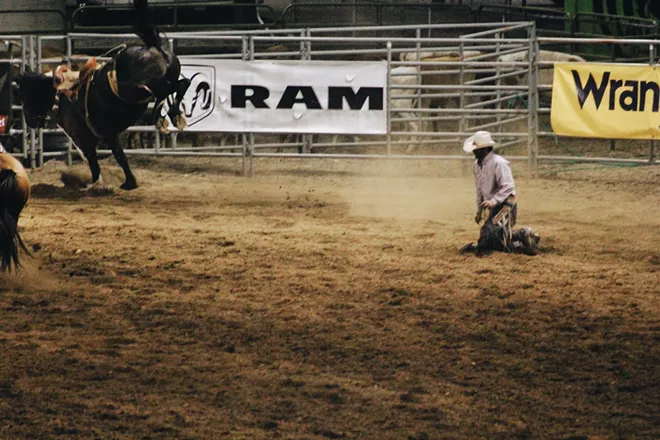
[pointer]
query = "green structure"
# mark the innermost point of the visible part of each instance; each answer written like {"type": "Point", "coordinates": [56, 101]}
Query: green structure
{"type": "Point", "coordinates": [648, 9]}
{"type": "Point", "coordinates": [620, 18]}
{"type": "Point", "coordinates": [613, 18]}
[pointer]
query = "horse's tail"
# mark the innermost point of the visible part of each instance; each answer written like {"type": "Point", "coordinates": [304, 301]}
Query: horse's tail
{"type": "Point", "coordinates": [142, 27]}
{"type": "Point", "coordinates": [10, 239]}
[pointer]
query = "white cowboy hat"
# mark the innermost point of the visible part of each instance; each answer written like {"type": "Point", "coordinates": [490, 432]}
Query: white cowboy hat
{"type": "Point", "coordinates": [480, 139]}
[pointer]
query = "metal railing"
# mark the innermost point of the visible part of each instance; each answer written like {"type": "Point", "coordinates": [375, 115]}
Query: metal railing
{"type": "Point", "coordinates": [169, 16]}
{"type": "Point", "coordinates": [456, 91]}
{"type": "Point", "coordinates": [375, 13]}
{"type": "Point", "coordinates": [318, 44]}
{"type": "Point", "coordinates": [549, 21]}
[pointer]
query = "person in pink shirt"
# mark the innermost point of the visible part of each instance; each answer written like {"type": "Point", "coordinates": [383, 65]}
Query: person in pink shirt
{"type": "Point", "coordinates": [496, 196]}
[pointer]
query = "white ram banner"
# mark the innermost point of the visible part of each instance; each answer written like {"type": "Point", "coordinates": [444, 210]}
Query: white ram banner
{"type": "Point", "coordinates": [333, 97]}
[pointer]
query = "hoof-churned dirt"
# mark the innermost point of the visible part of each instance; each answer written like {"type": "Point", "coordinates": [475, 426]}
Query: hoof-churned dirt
{"type": "Point", "coordinates": [326, 299]}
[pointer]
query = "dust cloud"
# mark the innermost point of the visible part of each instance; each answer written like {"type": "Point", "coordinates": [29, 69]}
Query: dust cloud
{"type": "Point", "coordinates": [28, 278]}
{"type": "Point", "coordinates": [412, 191]}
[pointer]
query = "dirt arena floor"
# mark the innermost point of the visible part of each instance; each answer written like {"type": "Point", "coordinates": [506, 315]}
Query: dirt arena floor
{"type": "Point", "coordinates": [326, 299]}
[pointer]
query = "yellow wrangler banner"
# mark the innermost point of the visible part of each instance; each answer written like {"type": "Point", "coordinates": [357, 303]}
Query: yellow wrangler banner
{"type": "Point", "coordinates": [614, 101]}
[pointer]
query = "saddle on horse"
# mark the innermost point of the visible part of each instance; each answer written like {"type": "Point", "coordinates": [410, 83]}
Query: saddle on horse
{"type": "Point", "coordinates": [68, 82]}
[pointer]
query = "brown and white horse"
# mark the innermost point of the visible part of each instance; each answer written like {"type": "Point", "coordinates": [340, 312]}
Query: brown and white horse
{"type": "Point", "coordinates": [14, 194]}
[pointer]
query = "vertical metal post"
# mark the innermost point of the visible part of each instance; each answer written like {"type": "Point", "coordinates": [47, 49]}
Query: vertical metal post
{"type": "Point", "coordinates": [498, 82]}
{"type": "Point", "coordinates": [532, 107]}
{"type": "Point", "coordinates": [388, 98]}
{"type": "Point", "coordinates": [37, 54]}
{"type": "Point", "coordinates": [174, 134]}
{"type": "Point", "coordinates": [250, 144]}
{"type": "Point", "coordinates": [173, 139]}
{"type": "Point", "coordinates": [244, 139]}
{"type": "Point", "coordinates": [69, 151]}
{"type": "Point", "coordinates": [461, 81]}
{"type": "Point", "coordinates": [40, 143]}
{"type": "Point", "coordinates": [69, 143]}
{"type": "Point", "coordinates": [24, 43]}
{"type": "Point", "coordinates": [418, 91]}
{"type": "Point", "coordinates": [10, 80]}
{"type": "Point", "coordinates": [652, 143]}
{"type": "Point", "coordinates": [303, 46]}
{"type": "Point", "coordinates": [612, 141]}
{"type": "Point", "coordinates": [24, 127]}
{"type": "Point", "coordinates": [307, 139]}
{"type": "Point", "coordinates": [307, 33]}
{"type": "Point", "coordinates": [40, 132]}
{"type": "Point", "coordinates": [33, 159]}
{"type": "Point", "coordinates": [354, 17]}
{"type": "Point", "coordinates": [69, 49]}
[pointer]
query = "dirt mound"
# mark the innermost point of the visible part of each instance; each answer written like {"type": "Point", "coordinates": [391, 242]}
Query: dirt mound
{"type": "Point", "coordinates": [81, 176]}
{"type": "Point", "coordinates": [76, 177]}
{"type": "Point", "coordinates": [50, 191]}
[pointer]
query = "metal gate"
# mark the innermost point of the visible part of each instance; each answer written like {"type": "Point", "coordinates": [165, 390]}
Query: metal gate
{"type": "Point", "coordinates": [445, 82]}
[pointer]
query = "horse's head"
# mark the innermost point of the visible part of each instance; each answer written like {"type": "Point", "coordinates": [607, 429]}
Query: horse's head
{"type": "Point", "coordinates": [37, 94]}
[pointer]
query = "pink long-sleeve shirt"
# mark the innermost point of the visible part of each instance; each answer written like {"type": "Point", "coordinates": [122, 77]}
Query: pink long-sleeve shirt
{"type": "Point", "coordinates": [493, 179]}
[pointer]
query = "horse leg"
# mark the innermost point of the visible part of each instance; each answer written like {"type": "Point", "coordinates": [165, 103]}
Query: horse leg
{"type": "Point", "coordinates": [174, 113]}
{"type": "Point", "coordinates": [120, 157]}
{"type": "Point", "coordinates": [159, 121]}
{"type": "Point", "coordinates": [83, 139]}
{"type": "Point", "coordinates": [409, 126]}
{"type": "Point", "coordinates": [86, 146]}
{"type": "Point", "coordinates": [94, 167]}
{"type": "Point", "coordinates": [412, 139]}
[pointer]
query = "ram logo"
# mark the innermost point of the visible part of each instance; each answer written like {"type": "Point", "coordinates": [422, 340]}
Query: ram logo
{"type": "Point", "coordinates": [199, 101]}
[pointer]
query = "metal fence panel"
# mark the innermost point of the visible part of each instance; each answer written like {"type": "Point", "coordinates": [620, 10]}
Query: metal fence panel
{"type": "Point", "coordinates": [445, 82]}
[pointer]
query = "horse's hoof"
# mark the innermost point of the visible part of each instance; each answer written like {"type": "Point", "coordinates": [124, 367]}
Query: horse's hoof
{"type": "Point", "coordinates": [162, 125]}
{"type": "Point", "coordinates": [180, 122]}
{"type": "Point", "coordinates": [129, 185]}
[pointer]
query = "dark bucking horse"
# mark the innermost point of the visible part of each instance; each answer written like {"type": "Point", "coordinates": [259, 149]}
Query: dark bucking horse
{"type": "Point", "coordinates": [14, 194]}
{"type": "Point", "coordinates": [110, 97]}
